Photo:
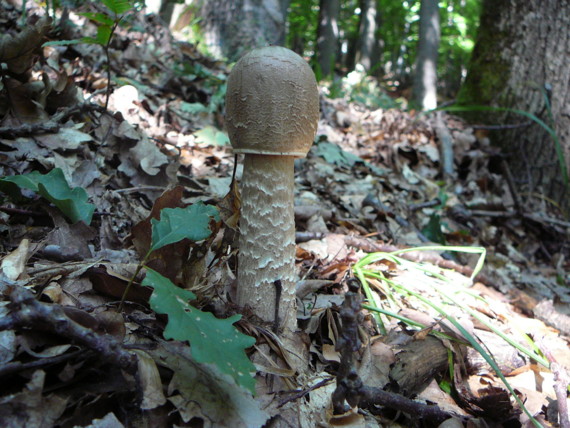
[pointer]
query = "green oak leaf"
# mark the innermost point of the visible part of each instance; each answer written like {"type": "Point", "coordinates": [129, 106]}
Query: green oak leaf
{"type": "Point", "coordinates": [212, 340]}
{"type": "Point", "coordinates": [192, 222]}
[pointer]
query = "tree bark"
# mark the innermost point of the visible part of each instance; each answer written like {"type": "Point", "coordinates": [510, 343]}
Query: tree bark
{"type": "Point", "coordinates": [522, 55]}
{"type": "Point", "coordinates": [327, 36]}
{"type": "Point", "coordinates": [425, 82]}
{"type": "Point", "coordinates": [369, 46]}
{"type": "Point", "coordinates": [233, 27]}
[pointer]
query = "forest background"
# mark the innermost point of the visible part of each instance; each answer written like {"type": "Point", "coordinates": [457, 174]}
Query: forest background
{"type": "Point", "coordinates": [127, 124]}
{"type": "Point", "coordinates": [420, 53]}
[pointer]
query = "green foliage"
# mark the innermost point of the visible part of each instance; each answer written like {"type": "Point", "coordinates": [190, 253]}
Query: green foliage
{"type": "Point", "coordinates": [213, 83]}
{"type": "Point", "coordinates": [118, 7]}
{"type": "Point", "coordinates": [176, 224]}
{"type": "Point", "coordinates": [433, 230]}
{"type": "Point", "coordinates": [450, 293]}
{"type": "Point", "coordinates": [211, 136]}
{"type": "Point", "coordinates": [333, 154]}
{"type": "Point", "coordinates": [363, 89]}
{"type": "Point", "coordinates": [212, 340]}
{"type": "Point", "coordinates": [302, 26]}
{"type": "Point", "coordinates": [399, 33]}
{"type": "Point", "coordinates": [107, 23]}
{"type": "Point", "coordinates": [54, 187]}
{"type": "Point", "coordinates": [458, 23]}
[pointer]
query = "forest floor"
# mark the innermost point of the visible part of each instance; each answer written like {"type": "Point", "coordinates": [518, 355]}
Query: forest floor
{"type": "Point", "coordinates": [72, 355]}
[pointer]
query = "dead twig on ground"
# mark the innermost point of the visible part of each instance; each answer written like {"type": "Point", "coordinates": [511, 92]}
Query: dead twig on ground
{"type": "Point", "coordinates": [350, 388]}
{"type": "Point", "coordinates": [28, 313]}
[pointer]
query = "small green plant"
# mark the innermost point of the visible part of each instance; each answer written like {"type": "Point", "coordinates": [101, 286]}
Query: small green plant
{"type": "Point", "coordinates": [212, 340]}
{"type": "Point", "coordinates": [107, 23]}
{"type": "Point", "coordinates": [365, 271]}
{"type": "Point", "coordinates": [53, 186]}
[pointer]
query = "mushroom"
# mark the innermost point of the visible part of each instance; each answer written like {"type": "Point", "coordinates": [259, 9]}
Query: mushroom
{"type": "Point", "coordinates": [272, 110]}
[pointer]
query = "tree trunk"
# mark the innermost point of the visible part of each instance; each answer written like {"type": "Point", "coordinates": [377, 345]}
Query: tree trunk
{"type": "Point", "coordinates": [425, 82]}
{"type": "Point", "coordinates": [232, 27]}
{"type": "Point", "coordinates": [327, 36]}
{"type": "Point", "coordinates": [369, 46]}
{"type": "Point", "coordinates": [166, 11]}
{"type": "Point", "coordinates": [521, 55]}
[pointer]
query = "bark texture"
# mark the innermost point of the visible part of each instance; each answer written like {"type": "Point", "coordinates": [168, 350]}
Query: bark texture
{"type": "Point", "coordinates": [425, 82]}
{"type": "Point", "coordinates": [521, 54]}
{"type": "Point", "coordinates": [267, 237]}
{"type": "Point", "coordinates": [369, 47]}
{"type": "Point", "coordinates": [232, 27]}
{"type": "Point", "coordinates": [327, 36]}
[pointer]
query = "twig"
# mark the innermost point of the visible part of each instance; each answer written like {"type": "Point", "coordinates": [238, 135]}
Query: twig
{"type": "Point", "coordinates": [422, 205]}
{"type": "Point", "coordinates": [350, 388]}
{"type": "Point", "coordinates": [561, 382]}
{"type": "Point", "coordinates": [511, 184]}
{"type": "Point", "coordinates": [28, 313]}
{"type": "Point", "coordinates": [16, 367]}
{"type": "Point", "coordinates": [505, 126]}
{"type": "Point", "coordinates": [446, 146]}
{"type": "Point", "coordinates": [507, 214]}
{"type": "Point", "coordinates": [50, 127]}
{"type": "Point", "coordinates": [295, 395]}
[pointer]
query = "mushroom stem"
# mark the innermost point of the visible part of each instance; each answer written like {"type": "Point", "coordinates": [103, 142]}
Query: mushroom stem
{"type": "Point", "coordinates": [267, 238]}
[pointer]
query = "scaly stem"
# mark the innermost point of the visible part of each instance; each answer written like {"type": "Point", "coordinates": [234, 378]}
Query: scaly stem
{"type": "Point", "coordinates": [267, 238]}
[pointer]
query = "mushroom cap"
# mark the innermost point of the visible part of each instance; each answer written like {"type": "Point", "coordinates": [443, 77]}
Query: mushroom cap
{"type": "Point", "coordinates": [272, 103]}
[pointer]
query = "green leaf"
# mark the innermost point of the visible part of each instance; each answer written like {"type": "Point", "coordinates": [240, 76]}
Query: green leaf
{"type": "Point", "coordinates": [89, 40]}
{"type": "Point", "coordinates": [334, 154]}
{"type": "Point", "coordinates": [432, 230]}
{"type": "Point", "coordinates": [211, 136]}
{"type": "Point", "coordinates": [192, 222]}
{"type": "Point", "coordinates": [193, 108]}
{"type": "Point", "coordinates": [103, 34]}
{"type": "Point", "coordinates": [212, 340]}
{"type": "Point", "coordinates": [118, 7]}
{"type": "Point", "coordinates": [63, 42]}
{"type": "Point", "coordinates": [53, 187]}
{"type": "Point", "coordinates": [101, 18]}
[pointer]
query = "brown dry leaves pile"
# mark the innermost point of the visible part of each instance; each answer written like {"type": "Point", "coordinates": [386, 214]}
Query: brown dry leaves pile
{"type": "Point", "coordinates": [372, 182]}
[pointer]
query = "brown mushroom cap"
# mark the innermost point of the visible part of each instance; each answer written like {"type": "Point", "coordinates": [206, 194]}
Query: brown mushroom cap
{"type": "Point", "coordinates": [272, 103]}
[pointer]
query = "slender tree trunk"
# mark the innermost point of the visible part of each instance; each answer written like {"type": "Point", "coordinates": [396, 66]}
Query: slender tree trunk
{"type": "Point", "coordinates": [425, 82]}
{"type": "Point", "coordinates": [521, 58]}
{"type": "Point", "coordinates": [165, 12]}
{"type": "Point", "coordinates": [368, 46]}
{"type": "Point", "coordinates": [327, 36]}
{"type": "Point", "coordinates": [232, 27]}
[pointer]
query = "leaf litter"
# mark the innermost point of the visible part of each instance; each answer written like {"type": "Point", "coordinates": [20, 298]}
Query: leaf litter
{"type": "Point", "coordinates": [372, 183]}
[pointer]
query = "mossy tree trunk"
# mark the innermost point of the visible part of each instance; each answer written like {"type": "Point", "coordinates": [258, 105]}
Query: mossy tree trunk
{"type": "Point", "coordinates": [522, 54]}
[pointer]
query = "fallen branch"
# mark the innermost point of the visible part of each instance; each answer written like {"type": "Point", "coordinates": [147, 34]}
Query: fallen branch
{"type": "Point", "coordinates": [50, 127]}
{"type": "Point", "coordinates": [350, 388]}
{"type": "Point", "coordinates": [17, 366]}
{"type": "Point", "coordinates": [561, 382]}
{"type": "Point", "coordinates": [28, 313]}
